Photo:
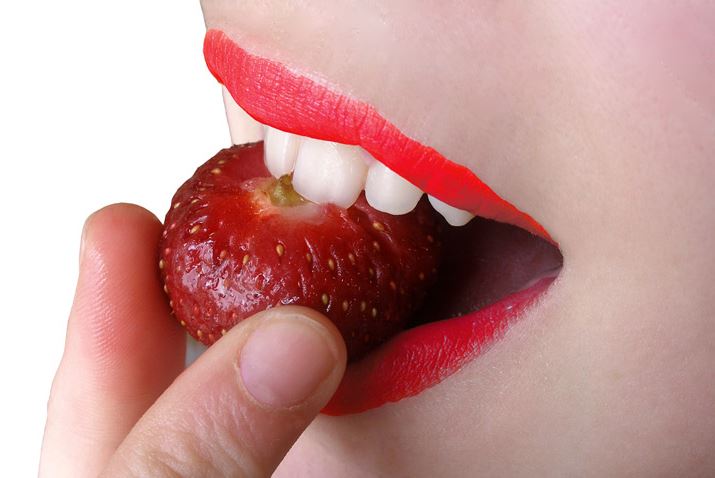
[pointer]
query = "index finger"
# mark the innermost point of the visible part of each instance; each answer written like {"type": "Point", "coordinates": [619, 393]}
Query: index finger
{"type": "Point", "coordinates": [122, 349]}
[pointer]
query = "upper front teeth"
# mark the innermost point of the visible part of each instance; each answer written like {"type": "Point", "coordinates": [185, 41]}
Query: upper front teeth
{"type": "Point", "coordinates": [388, 192]}
{"type": "Point", "coordinates": [280, 151]}
{"type": "Point", "coordinates": [454, 216]}
{"type": "Point", "coordinates": [327, 172]}
{"type": "Point", "coordinates": [242, 127]}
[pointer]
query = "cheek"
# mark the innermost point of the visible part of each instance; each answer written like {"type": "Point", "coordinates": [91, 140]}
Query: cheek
{"type": "Point", "coordinates": [677, 46]}
{"type": "Point", "coordinates": [660, 57]}
{"type": "Point", "coordinates": [646, 105]}
{"type": "Point", "coordinates": [640, 116]}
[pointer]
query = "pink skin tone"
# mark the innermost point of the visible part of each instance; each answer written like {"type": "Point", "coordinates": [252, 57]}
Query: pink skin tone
{"type": "Point", "coordinates": [120, 405]}
{"type": "Point", "coordinates": [598, 120]}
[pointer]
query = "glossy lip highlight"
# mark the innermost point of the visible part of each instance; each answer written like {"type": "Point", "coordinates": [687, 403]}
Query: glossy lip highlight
{"type": "Point", "coordinates": [417, 358]}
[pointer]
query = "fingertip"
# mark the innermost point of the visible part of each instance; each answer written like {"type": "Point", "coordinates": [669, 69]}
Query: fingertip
{"type": "Point", "coordinates": [319, 320]}
{"type": "Point", "coordinates": [119, 283]}
{"type": "Point", "coordinates": [119, 215]}
{"type": "Point", "coordinates": [261, 385]}
{"type": "Point", "coordinates": [294, 356]}
{"type": "Point", "coordinates": [122, 347]}
{"type": "Point", "coordinates": [112, 217]}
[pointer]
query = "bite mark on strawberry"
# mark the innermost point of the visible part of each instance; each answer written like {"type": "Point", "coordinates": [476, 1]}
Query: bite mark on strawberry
{"type": "Point", "coordinates": [237, 241]}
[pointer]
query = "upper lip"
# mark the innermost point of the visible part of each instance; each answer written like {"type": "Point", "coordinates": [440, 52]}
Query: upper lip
{"type": "Point", "coordinates": [283, 99]}
{"type": "Point", "coordinates": [416, 358]}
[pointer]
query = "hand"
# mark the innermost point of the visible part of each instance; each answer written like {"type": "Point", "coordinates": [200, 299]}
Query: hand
{"type": "Point", "coordinates": [120, 403]}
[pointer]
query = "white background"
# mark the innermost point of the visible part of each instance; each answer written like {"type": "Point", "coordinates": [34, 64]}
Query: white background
{"type": "Point", "coordinates": [100, 102]}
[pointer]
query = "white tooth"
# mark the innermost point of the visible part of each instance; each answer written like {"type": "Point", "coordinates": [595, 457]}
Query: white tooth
{"type": "Point", "coordinates": [242, 127]}
{"type": "Point", "coordinates": [454, 216]}
{"type": "Point", "coordinates": [388, 192]}
{"type": "Point", "coordinates": [327, 172]}
{"type": "Point", "coordinates": [280, 150]}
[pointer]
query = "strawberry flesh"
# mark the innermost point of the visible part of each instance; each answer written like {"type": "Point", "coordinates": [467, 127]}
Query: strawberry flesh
{"type": "Point", "coordinates": [237, 241]}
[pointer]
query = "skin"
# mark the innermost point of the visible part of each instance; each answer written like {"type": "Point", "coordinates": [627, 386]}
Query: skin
{"type": "Point", "coordinates": [120, 404]}
{"type": "Point", "coordinates": [597, 119]}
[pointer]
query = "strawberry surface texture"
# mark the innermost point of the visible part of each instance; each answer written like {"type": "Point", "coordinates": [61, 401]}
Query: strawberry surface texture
{"type": "Point", "coordinates": [237, 241]}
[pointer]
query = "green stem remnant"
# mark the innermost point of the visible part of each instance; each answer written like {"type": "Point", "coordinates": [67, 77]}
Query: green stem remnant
{"type": "Point", "coordinates": [282, 193]}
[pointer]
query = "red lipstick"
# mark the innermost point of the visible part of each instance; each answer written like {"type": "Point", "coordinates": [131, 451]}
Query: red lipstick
{"type": "Point", "coordinates": [416, 358]}
{"type": "Point", "coordinates": [421, 357]}
{"type": "Point", "coordinates": [276, 96]}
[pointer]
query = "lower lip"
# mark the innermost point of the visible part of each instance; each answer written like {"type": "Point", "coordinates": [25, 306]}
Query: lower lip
{"type": "Point", "coordinates": [419, 358]}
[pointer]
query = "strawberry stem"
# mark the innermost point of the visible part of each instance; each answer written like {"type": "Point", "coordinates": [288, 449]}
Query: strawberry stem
{"type": "Point", "coordinates": [282, 193]}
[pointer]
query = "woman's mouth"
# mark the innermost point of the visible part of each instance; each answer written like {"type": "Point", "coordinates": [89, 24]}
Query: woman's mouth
{"type": "Point", "coordinates": [335, 147]}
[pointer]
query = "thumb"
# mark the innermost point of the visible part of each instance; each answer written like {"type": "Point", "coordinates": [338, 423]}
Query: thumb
{"type": "Point", "coordinates": [240, 407]}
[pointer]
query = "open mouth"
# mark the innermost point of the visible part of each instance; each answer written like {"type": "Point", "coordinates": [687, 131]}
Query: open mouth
{"type": "Point", "coordinates": [498, 260]}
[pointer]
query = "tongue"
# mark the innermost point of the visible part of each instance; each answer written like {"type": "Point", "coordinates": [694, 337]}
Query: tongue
{"type": "Point", "coordinates": [483, 262]}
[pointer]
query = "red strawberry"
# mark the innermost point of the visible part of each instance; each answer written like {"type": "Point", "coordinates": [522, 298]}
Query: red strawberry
{"type": "Point", "coordinates": [237, 241]}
